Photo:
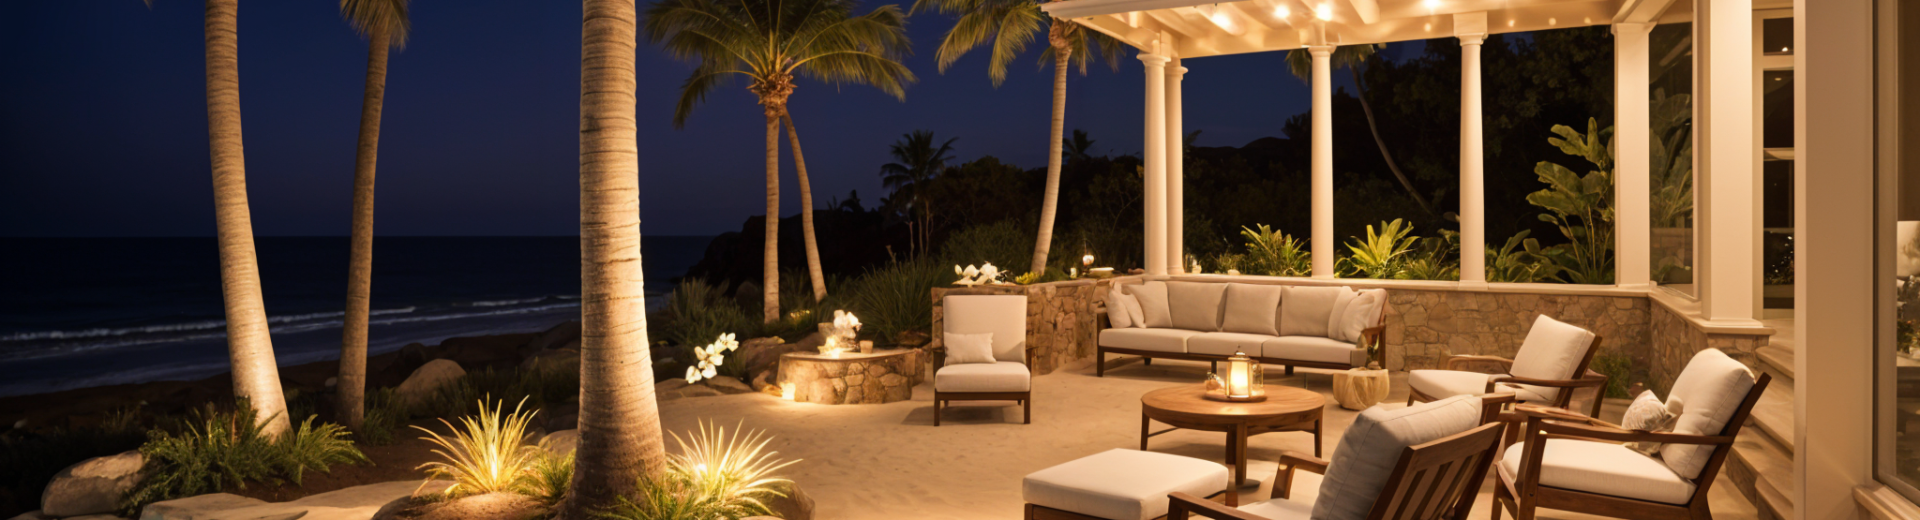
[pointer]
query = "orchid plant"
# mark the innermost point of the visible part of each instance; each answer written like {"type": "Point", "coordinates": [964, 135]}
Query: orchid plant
{"type": "Point", "coordinates": [985, 274]}
{"type": "Point", "coordinates": [710, 357]}
{"type": "Point", "coordinates": [842, 334]}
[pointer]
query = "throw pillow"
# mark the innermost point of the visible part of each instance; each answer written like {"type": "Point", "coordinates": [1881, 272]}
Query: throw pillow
{"type": "Point", "coordinates": [1153, 303]}
{"type": "Point", "coordinates": [1117, 314]}
{"type": "Point", "coordinates": [1362, 312]}
{"type": "Point", "coordinates": [1304, 311]}
{"type": "Point", "coordinates": [1251, 309]}
{"type": "Point", "coordinates": [1134, 312]}
{"type": "Point", "coordinates": [969, 348]}
{"type": "Point", "coordinates": [1648, 413]}
{"type": "Point", "coordinates": [1337, 320]}
{"type": "Point", "coordinates": [1195, 306]}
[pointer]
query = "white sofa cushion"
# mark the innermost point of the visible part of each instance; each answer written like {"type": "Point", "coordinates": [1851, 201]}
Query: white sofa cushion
{"type": "Point", "coordinates": [1004, 376]}
{"type": "Point", "coordinates": [1122, 484]}
{"type": "Point", "coordinates": [1304, 311]}
{"type": "Point", "coordinates": [1362, 312]}
{"type": "Point", "coordinates": [968, 348]}
{"type": "Point", "coordinates": [1337, 318]}
{"type": "Point", "coordinates": [1226, 343]}
{"type": "Point", "coordinates": [1153, 303]}
{"type": "Point", "coordinates": [1117, 314]}
{"type": "Point", "coordinates": [1195, 306]}
{"type": "Point", "coordinates": [1155, 340]}
{"type": "Point", "coordinates": [1371, 448]}
{"type": "Point", "coordinates": [1552, 350]}
{"type": "Point", "coordinates": [1710, 389]}
{"type": "Point", "coordinates": [1444, 383]}
{"type": "Point", "coordinates": [1309, 348]}
{"type": "Point", "coordinates": [1005, 316]}
{"type": "Point", "coordinates": [1134, 312]}
{"type": "Point", "coordinates": [1603, 468]}
{"type": "Point", "coordinates": [1252, 309]}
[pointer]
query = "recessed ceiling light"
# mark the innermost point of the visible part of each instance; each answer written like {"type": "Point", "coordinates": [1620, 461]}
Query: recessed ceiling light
{"type": "Point", "coordinates": [1282, 12]}
{"type": "Point", "coordinates": [1323, 12]}
{"type": "Point", "coordinates": [1431, 4]}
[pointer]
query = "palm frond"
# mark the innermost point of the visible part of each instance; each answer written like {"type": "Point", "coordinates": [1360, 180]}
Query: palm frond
{"type": "Point", "coordinates": [1017, 25]}
{"type": "Point", "coordinates": [370, 17]}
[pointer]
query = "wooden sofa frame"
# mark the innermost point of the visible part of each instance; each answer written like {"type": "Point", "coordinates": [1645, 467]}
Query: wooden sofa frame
{"type": "Point", "coordinates": [1369, 336]}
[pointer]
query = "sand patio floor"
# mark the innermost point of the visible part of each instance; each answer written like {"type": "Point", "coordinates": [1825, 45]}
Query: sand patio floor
{"type": "Point", "coordinates": [890, 462]}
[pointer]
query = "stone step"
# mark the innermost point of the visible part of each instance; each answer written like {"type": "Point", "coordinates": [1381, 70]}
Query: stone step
{"type": "Point", "coordinates": [1760, 469]}
{"type": "Point", "coordinates": [1774, 414]}
{"type": "Point", "coordinates": [1777, 360]}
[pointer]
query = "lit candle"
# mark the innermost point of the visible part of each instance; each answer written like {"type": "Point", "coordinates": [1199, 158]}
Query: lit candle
{"type": "Point", "coordinates": [1237, 377]}
{"type": "Point", "coordinates": [786, 391]}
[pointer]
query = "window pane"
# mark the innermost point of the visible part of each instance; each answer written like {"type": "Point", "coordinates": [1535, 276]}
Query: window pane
{"type": "Point", "coordinates": [1899, 429]}
{"type": "Point", "coordinates": [1671, 73]}
{"type": "Point", "coordinates": [1776, 36]}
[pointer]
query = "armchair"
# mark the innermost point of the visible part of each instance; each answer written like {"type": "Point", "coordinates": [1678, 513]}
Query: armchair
{"type": "Point", "coordinates": [1008, 378]}
{"type": "Point", "coordinates": [1550, 367]}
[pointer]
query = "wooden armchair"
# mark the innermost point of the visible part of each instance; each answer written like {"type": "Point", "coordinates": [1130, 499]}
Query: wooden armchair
{"type": "Point", "coordinates": [1009, 377]}
{"type": "Point", "coordinates": [1548, 372]}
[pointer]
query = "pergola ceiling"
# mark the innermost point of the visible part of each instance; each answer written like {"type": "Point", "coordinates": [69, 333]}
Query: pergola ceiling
{"type": "Point", "coordinates": [1198, 28]}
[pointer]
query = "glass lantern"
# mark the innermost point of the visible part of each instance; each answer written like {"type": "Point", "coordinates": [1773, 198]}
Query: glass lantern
{"type": "Point", "coordinates": [1242, 381]}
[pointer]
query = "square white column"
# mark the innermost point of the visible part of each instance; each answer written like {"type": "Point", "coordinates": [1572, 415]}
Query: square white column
{"type": "Point", "coordinates": [1633, 157]}
{"type": "Point", "coordinates": [1725, 162]}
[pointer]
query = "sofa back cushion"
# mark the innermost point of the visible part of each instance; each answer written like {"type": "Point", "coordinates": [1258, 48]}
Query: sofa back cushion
{"type": "Point", "coordinates": [1117, 313]}
{"type": "Point", "coordinates": [1709, 390]}
{"type": "Point", "coordinates": [1252, 309]}
{"type": "Point", "coordinates": [1003, 315]}
{"type": "Point", "coordinates": [1553, 350]}
{"type": "Point", "coordinates": [1195, 306]}
{"type": "Point", "coordinates": [1372, 447]}
{"type": "Point", "coordinates": [1363, 312]}
{"type": "Point", "coordinates": [1336, 321]}
{"type": "Point", "coordinates": [1153, 303]}
{"type": "Point", "coordinates": [1304, 311]}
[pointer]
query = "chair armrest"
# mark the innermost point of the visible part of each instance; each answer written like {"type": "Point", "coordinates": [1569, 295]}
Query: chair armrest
{"type": "Point", "coordinates": [1551, 429]}
{"type": "Point", "coordinates": [939, 357]}
{"type": "Point", "coordinates": [1292, 460]}
{"type": "Point", "coordinates": [1454, 362]}
{"type": "Point", "coordinates": [1100, 320]}
{"type": "Point", "coordinates": [1554, 383]}
{"type": "Point", "coordinates": [1180, 505]}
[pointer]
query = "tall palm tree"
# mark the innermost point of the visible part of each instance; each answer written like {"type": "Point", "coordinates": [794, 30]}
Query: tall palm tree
{"type": "Point", "coordinates": [256, 378]}
{"type": "Point", "coordinates": [620, 439]}
{"type": "Point", "coordinates": [1010, 25]}
{"type": "Point", "coordinates": [769, 42]}
{"type": "Point", "coordinates": [385, 24]}
{"type": "Point", "coordinates": [1079, 147]}
{"type": "Point", "coordinates": [917, 161]}
{"type": "Point", "coordinates": [1300, 63]}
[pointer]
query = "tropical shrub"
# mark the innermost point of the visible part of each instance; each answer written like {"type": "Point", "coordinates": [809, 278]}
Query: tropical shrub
{"type": "Point", "coordinates": [697, 311]}
{"type": "Point", "coordinates": [539, 387]}
{"type": "Point", "coordinates": [552, 473]}
{"type": "Point", "coordinates": [1581, 206]}
{"type": "Point", "coordinates": [385, 415]}
{"type": "Point", "coordinates": [895, 298]}
{"type": "Point", "coordinates": [1520, 260]}
{"type": "Point", "coordinates": [715, 476]}
{"type": "Point", "coordinates": [1620, 373]}
{"type": "Point", "coordinates": [1002, 243]}
{"type": "Point", "coordinates": [218, 449]}
{"type": "Point", "coordinates": [1433, 258]}
{"type": "Point", "coordinates": [1273, 253]}
{"type": "Point", "coordinates": [1382, 253]}
{"type": "Point", "coordinates": [488, 453]}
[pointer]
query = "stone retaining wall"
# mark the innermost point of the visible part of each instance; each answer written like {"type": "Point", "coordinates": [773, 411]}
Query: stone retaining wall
{"type": "Point", "coordinates": [863, 380]}
{"type": "Point", "coordinates": [1675, 340]}
{"type": "Point", "coordinates": [1060, 322]}
{"type": "Point", "coordinates": [1424, 328]}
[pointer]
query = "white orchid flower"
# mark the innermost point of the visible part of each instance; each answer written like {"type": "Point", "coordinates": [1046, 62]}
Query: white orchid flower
{"type": "Point", "coordinates": [700, 353]}
{"type": "Point", "coordinates": [693, 375]}
{"type": "Point", "coordinates": [972, 271]}
{"type": "Point", "coordinates": [956, 270]}
{"type": "Point", "coordinates": [716, 359]}
{"type": "Point", "coordinates": [709, 372]}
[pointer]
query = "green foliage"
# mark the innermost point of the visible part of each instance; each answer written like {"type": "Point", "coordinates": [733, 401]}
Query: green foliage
{"type": "Point", "coordinates": [1672, 173]}
{"type": "Point", "coordinates": [487, 453]}
{"type": "Point", "coordinates": [696, 312]}
{"type": "Point", "coordinates": [385, 415]}
{"type": "Point", "coordinates": [1273, 253]}
{"type": "Point", "coordinates": [1520, 260]}
{"type": "Point", "coordinates": [1620, 372]}
{"type": "Point", "coordinates": [552, 473]}
{"type": "Point", "coordinates": [715, 476]}
{"type": "Point", "coordinates": [540, 388]}
{"type": "Point", "coordinates": [1382, 254]}
{"type": "Point", "coordinates": [896, 298]}
{"type": "Point", "coordinates": [1433, 258]}
{"type": "Point", "coordinates": [218, 449]}
{"type": "Point", "coordinates": [1581, 206]}
{"type": "Point", "coordinates": [31, 457]}
{"type": "Point", "coordinates": [1225, 262]}
{"type": "Point", "coordinates": [1005, 244]}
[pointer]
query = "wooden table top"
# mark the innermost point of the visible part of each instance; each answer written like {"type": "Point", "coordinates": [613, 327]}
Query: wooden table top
{"type": "Point", "coordinates": [1186, 401]}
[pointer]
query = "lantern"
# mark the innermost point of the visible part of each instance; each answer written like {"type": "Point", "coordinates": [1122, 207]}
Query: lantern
{"type": "Point", "coordinates": [1087, 260]}
{"type": "Point", "coordinates": [1241, 382]}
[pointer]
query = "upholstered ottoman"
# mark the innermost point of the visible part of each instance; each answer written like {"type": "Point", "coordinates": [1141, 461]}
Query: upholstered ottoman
{"type": "Point", "coordinates": [1118, 484]}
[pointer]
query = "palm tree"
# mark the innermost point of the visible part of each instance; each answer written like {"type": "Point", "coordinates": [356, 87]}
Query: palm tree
{"type": "Point", "coordinates": [769, 42]}
{"type": "Point", "coordinates": [1010, 25]}
{"type": "Point", "coordinates": [1079, 147]}
{"type": "Point", "coordinates": [385, 24]}
{"type": "Point", "coordinates": [1300, 62]}
{"type": "Point", "coordinates": [620, 439]}
{"type": "Point", "coordinates": [918, 161]}
{"type": "Point", "coordinates": [256, 378]}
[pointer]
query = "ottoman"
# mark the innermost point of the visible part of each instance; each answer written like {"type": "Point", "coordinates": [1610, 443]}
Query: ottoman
{"type": "Point", "coordinates": [1118, 484]}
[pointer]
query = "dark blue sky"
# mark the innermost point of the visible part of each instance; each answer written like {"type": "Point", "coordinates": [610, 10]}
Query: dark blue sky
{"type": "Point", "coordinates": [103, 127]}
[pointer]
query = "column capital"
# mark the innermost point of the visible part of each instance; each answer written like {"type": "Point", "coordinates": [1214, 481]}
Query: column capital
{"type": "Point", "coordinates": [1640, 29]}
{"type": "Point", "coordinates": [1154, 60]}
{"type": "Point", "coordinates": [1466, 40]}
{"type": "Point", "coordinates": [1470, 28]}
{"type": "Point", "coordinates": [1321, 51]}
{"type": "Point", "coordinates": [1177, 72]}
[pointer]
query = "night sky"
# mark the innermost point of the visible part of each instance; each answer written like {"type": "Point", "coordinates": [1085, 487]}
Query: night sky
{"type": "Point", "coordinates": [103, 127]}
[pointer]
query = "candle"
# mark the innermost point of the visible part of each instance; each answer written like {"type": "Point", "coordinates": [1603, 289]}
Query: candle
{"type": "Point", "coordinates": [1237, 379]}
{"type": "Point", "coordinates": [786, 391]}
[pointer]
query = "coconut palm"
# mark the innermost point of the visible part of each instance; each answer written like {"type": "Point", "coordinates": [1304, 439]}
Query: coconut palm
{"type": "Point", "coordinates": [769, 42]}
{"type": "Point", "coordinates": [620, 438]}
{"type": "Point", "coordinates": [917, 162]}
{"type": "Point", "coordinates": [1300, 62]}
{"type": "Point", "coordinates": [1010, 25]}
{"type": "Point", "coordinates": [1079, 147]}
{"type": "Point", "coordinates": [256, 378]}
{"type": "Point", "coordinates": [385, 25]}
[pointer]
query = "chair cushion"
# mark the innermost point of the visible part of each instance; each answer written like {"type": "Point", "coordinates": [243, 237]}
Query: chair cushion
{"type": "Point", "coordinates": [1445, 383]}
{"type": "Point", "coordinates": [1710, 389]}
{"type": "Point", "coordinates": [1362, 312]}
{"type": "Point", "coordinates": [1004, 376]}
{"type": "Point", "coordinates": [1122, 484]}
{"type": "Point", "coordinates": [1371, 448]}
{"type": "Point", "coordinates": [1117, 313]}
{"type": "Point", "coordinates": [968, 348]}
{"type": "Point", "coordinates": [1279, 509]}
{"type": "Point", "coordinates": [1194, 305]}
{"type": "Point", "coordinates": [1603, 468]}
{"type": "Point", "coordinates": [1553, 350]}
{"type": "Point", "coordinates": [1003, 315]}
{"type": "Point", "coordinates": [1310, 348]}
{"type": "Point", "coordinates": [1153, 303]}
{"type": "Point", "coordinates": [1304, 311]}
{"type": "Point", "coordinates": [1252, 309]}
{"type": "Point", "coordinates": [1156, 340]}
{"type": "Point", "coordinates": [1226, 343]}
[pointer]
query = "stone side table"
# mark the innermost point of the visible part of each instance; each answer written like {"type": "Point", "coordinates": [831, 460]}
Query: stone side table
{"type": "Point", "coordinates": [883, 376]}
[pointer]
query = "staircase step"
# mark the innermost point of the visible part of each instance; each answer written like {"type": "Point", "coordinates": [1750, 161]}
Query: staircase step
{"type": "Point", "coordinates": [1761, 470]}
{"type": "Point", "coordinates": [1777, 360]}
{"type": "Point", "coordinates": [1774, 414]}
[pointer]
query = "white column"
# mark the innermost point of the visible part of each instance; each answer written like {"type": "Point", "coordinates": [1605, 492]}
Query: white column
{"type": "Point", "coordinates": [1176, 169]}
{"type": "Point", "coordinates": [1322, 238]}
{"type": "Point", "coordinates": [1724, 163]}
{"type": "Point", "coordinates": [1633, 157]}
{"type": "Point", "coordinates": [1155, 157]}
{"type": "Point", "coordinates": [1471, 28]}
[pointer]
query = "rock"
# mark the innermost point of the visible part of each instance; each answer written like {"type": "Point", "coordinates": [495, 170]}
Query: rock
{"type": "Point", "coordinates": [427, 380]}
{"type": "Point", "coordinates": [682, 390]}
{"type": "Point", "coordinates": [760, 382]}
{"type": "Point", "coordinates": [354, 503]}
{"type": "Point", "coordinates": [488, 506]}
{"type": "Point", "coordinates": [563, 416]}
{"type": "Point", "coordinates": [795, 506]}
{"type": "Point", "coordinates": [95, 517]}
{"type": "Point", "coordinates": [93, 486]}
{"type": "Point", "coordinates": [561, 442]}
{"type": "Point", "coordinates": [333, 382]}
{"type": "Point", "coordinates": [762, 355]}
{"type": "Point", "coordinates": [31, 515]}
{"type": "Point", "coordinates": [555, 360]}
{"type": "Point", "coordinates": [413, 356]}
{"type": "Point", "coordinates": [728, 385]}
{"type": "Point", "coordinates": [554, 338]}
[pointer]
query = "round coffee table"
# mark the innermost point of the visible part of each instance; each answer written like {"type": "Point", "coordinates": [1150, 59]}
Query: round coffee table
{"type": "Point", "coordinates": [1287, 409]}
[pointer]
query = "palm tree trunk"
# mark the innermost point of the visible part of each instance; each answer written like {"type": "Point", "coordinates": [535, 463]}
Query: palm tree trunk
{"type": "Point", "coordinates": [806, 213]}
{"type": "Point", "coordinates": [249, 346]}
{"type": "Point", "coordinates": [620, 439]}
{"type": "Point", "coordinates": [351, 389]}
{"type": "Point", "coordinates": [1382, 143]}
{"type": "Point", "coordinates": [1050, 204]}
{"type": "Point", "coordinates": [770, 255]}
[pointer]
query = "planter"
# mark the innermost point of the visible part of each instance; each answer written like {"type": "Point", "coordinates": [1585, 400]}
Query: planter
{"type": "Point", "coordinates": [1361, 388]}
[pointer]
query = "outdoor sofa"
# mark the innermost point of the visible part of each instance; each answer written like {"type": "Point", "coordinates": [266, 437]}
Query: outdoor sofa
{"type": "Point", "coordinates": [1318, 327]}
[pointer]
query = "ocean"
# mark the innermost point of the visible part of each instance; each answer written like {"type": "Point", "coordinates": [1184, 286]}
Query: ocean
{"type": "Point", "coordinates": [82, 312]}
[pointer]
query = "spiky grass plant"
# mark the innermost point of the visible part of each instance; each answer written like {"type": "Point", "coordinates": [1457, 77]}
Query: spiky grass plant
{"type": "Point", "coordinates": [716, 475]}
{"type": "Point", "coordinates": [489, 454]}
{"type": "Point", "coordinates": [551, 474]}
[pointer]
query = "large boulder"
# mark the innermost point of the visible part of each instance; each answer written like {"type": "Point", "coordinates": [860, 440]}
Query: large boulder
{"type": "Point", "coordinates": [560, 336]}
{"type": "Point", "coordinates": [762, 355]}
{"type": "Point", "coordinates": [427, 380]}
{"type": "Point", "coordinates": [93, 486]}
{"type": "Point", "coordinates": [561, 416]}
{"type": "Point", "coordinates": [678, 388]}
{"type": "Point", "coordinates": [795, 506]}
{"type": "Point", "coordinates": [561, 442]}
{"type": "Point", "coordinates": [354, 503]}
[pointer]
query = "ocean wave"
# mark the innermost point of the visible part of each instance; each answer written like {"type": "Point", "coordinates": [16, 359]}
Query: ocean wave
{"type": "Point", "coordinates": [502, 303]}
{"type": "Point", "coordinates": [179, 327]}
